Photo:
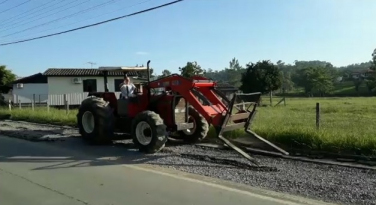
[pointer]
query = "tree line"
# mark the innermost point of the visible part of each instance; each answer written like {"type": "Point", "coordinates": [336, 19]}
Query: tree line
{"type": "Point", "coordinates": [311, 78]}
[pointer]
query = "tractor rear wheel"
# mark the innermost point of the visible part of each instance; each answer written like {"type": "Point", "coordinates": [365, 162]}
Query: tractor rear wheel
{"type": "Point", "coordinates": [149, 132]}
{"type": "Point", "coordinates": [95, 120]}
{"type": "Point", "coordinates": [200, 127]}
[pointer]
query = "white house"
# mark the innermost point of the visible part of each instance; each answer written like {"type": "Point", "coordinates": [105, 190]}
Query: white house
{"type": "Point", "coordinates": [29, 89]}
{"type": "Point", "coordinates": [362, 74]}
{"type": "Point", "coordinates": [75, 83]}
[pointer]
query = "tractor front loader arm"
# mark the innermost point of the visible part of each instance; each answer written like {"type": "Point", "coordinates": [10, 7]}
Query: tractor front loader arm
{"type": "Point", "coordinates": [194, 90]}
{"type": "Point", "coordinates": [202, 94]}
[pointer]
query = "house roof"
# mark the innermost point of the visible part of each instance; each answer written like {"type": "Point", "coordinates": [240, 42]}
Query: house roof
{"type": "Point", "coordinates": [363, 71]}
{"type": "Point", "coordinates": [83, 72]}
{"type": "Point", "coordinates": [36, 78]}
{"type": "Point", "coordinates": [226, 87]}
{"type": "Point", "coordinates": [123, 68]}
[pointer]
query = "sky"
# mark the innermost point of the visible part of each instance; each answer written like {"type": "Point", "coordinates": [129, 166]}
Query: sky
{"type": "Point", "coordinates": [211, 32]}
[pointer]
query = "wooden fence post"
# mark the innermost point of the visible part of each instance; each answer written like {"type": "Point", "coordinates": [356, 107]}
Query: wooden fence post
{"type": "Point", "coordinates": [318, 115]}
{"type": "Point", "coordinates": [271, 98]}
{"type": "Point", "coordinates": [66, 104]}
{"type": "Point", "coordinates": [34, 99]}
{"type": "Point", "coordinates": [19, 104]}
{"type": "Point", "coordinates": [48, 106]}
{"type": "Point", "coordinates": [10, 104]}
{"type": "Point", "coordinates": [32, 105]}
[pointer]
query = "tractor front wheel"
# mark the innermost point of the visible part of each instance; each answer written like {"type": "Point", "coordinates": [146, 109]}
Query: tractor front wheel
{"type": "Point", "coordinates": [200, 127]}
{"type": "Point", "coordinates": [95, 121]}
{"type": "Point", "coordinates": [149, 132]}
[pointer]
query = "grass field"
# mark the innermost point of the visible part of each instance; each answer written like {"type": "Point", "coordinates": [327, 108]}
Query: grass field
{"type": "Point", "coordinates": [341, 89]}
{"type": "Point", "coordinates": [346, 123]}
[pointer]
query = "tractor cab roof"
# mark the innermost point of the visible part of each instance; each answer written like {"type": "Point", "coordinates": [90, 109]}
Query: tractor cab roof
{"type": "Point", "coordinates": [123, 68]}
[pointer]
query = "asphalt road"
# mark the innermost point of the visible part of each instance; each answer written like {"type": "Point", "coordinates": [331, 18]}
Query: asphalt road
{"type": "Point", "coordinates": [38, 173]}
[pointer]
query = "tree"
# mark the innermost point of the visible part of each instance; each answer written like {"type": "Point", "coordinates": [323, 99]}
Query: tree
{"type": "Point", "coordinates": [191, 69]}
{"type": "Point", "coordinates": [358, 82]}
{"type": "Point", "coordinates": [234, 65]}
{"type": "Point", "coordinates": [333, 72]}
{"type": "Point", "coordinates": [6, 78]}
{"type": "Point", "coordinates": [233, 73]}
{"type": "Point", "coordinates": [373, 67]}
{"type": "Point", "coordinates": [287, 84]}
{"type": "Point", "coordinates": [286, 71]}
{"type": "Point", "coordinates": [6, 75]}
{"type": "Point", "coordinates": [371, 80]}
{"type": "Point", "coordinates": [263, 77]}
{"type": "Point", "coordinates": [165, 73]}
{"type": "Point", "coordinates": [314, 80]}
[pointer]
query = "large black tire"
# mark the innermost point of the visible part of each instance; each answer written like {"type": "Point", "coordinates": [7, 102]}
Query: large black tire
{"type": "Point", "coordinates": [150, 124]}
{"type": "Point", "coordinates": [200, 129]}
{"type": "Point", "coordinates": [102, 130]}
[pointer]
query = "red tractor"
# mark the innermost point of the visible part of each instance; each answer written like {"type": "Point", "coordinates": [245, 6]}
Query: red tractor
{"type": "Point", "coordinates": [172, 104]}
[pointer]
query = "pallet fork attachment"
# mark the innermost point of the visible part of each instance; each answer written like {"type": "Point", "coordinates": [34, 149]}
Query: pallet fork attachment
{"type": "Point", "coordinates": [242, 119]}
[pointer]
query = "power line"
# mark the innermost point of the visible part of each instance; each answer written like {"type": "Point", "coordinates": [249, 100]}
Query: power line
{"type": "Point", "coordinates": [95, 24]}
{"type": "Point", "coordinates": [6, 21]}
{"type": "Point", "coordinates": [3, 1]}
{"type": "Point", "coordinates": [15, 6]}
{"type": "Point", "coordinates": [24, 36]}
{"type": "Point", "coordinates": [64, 17]}
{"type": "Point", "coordinates": [12, 24]}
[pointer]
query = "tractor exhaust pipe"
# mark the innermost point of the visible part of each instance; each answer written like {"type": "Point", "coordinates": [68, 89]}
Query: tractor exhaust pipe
{"type": "Point", "coordinates": [148, 70]}
{"type": "Point", "coordinates": [148, 77]}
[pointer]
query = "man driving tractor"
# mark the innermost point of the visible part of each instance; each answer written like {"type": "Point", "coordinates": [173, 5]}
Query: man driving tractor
{"type": "Point", "coordinates": [127, 88]}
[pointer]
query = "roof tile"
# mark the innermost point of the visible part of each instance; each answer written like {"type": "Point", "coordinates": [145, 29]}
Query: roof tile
{"type": "Point", "coordinates": [36, 78]}
{"type": "Point", "coordinates": [82, 72]}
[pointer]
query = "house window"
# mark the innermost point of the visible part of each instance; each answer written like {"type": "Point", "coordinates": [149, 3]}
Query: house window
{"type": "Point", "coordinates": [117, 83]}
{"type": "Point", "coordinates": [90, 85]}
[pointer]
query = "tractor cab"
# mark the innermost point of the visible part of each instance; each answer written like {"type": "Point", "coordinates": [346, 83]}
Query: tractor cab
{"type": "Point", "coordinates": [138, 76]}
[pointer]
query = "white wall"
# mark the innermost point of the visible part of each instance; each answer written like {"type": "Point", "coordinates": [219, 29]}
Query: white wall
{"type": "Point", "coordinates": [57, 86]}
{"type": "Point", "coordinates": [25, 94]}
{"type": "Point", "coordinates": [64, 85]}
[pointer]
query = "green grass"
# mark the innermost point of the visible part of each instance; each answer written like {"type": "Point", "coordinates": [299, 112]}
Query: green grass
{"type": "Point", "coordinates": [40, 115]}
{"type": "Point", "coordinates": [341, 89]}
{"type": "Point", "coordinates": [346, 123]}
{"type": "Point", "coordinates": [348, 88]}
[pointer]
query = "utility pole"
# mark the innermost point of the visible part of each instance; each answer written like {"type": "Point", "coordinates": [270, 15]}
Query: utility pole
{"type": "Point", "coordinates": [91, 64]}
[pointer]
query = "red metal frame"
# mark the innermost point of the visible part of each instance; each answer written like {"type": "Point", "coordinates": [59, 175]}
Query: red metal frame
{"type": "Point", "coordinates": [184, 86]}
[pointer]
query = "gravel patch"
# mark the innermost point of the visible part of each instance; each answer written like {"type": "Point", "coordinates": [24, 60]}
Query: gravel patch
{"type": "Point", "coordinates": [34, 132]}
{"type": "Point", "coordinates": [325, 182]}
